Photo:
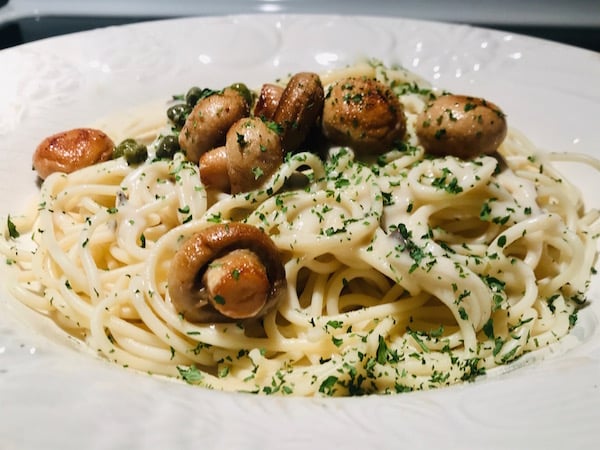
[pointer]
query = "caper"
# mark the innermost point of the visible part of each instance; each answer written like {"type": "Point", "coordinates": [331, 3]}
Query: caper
{"type": "Point", "coordinates": [167, 147]}
{"type": "Point", "coordinates": [133, 151]}
{"type": "Point", "coordinates": [193, 95]}
{"type": "Point", "coordinates": [243, 91]}
{"type": "Point", "coordinates": [178, 113]}
{"type": "Point", "coordinates": [119, 150]}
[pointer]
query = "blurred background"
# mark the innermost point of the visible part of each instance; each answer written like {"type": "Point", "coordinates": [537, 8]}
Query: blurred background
{"type": "Point", "coordinates": [574, 22]}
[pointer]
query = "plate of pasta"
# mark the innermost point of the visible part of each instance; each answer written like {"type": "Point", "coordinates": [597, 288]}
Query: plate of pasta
{"type": "Point", "coordinates": [281, 230]}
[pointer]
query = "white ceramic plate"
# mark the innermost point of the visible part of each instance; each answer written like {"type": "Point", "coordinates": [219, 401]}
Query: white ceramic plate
{"type": "Point", "coordinates": [55, 395]}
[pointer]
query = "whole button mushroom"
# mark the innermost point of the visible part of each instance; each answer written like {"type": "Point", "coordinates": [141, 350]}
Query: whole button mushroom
{"type": "Point", "coordinates": [364, 114]}
{"type": "Point", "coordinates": [71, 150]}
{"type": "Point", "coordinates": [226, 272]}
{"type": "Point", "coordinates": [206, 126]}
{"type": "Point", "coordinates": [461, 126]}
{"type": "Point", "coordinates": [251, 154]}
{"type": "Point", "coordinates": [299, 107]}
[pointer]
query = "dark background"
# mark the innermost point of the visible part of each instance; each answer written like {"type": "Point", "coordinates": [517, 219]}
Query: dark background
{"type": "Point", "coordinates": [28, 29]}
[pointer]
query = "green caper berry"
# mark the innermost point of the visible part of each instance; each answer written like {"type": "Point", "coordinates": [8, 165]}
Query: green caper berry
{"type": "Point", "coordinates": [134, 152]}
{"type": "Point", "coordinates": [136, 155]}
{"type": "Point", "coordinates": [243, 91]}
{"type": "Point", "coordinates": [193, 95]}
{"type": "Point", "coordinates": [119, 150]}
{"type": "Point", "coordinates": [167, 147]}
{"type": "Point", "coordinates": [178, 113]}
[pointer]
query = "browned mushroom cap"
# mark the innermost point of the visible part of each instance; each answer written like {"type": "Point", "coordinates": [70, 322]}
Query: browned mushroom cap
{"type": "Point", "coordinates": [363, 114]}
{"type": "Point", "coordinates": [267, 101]}
{"type": "Point", "coordinates": [206, 126]}
{"type": "Point", "coordinates": [461, 126]}
{"type": "Point", "coordinates": [252, 153]}
{"type": "Point", "coordinates": [70, 150]}
{"type": "Point", "coordinates": [226, 272]}
{"type": "Point", "coordinates": [300, 106]}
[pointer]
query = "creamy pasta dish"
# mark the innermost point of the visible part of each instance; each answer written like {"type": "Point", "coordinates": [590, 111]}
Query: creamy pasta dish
{"type": "Point", "coordinates": [347, 233]}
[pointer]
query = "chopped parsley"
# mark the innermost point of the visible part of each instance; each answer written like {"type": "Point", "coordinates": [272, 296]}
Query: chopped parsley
{"type": "Point", "coordinates": [12, 229]}
{"type": "Point", "coordinates": [190, 374]}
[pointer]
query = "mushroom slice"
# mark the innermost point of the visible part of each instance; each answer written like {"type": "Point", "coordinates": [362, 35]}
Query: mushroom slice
{"type": "Point", "coordinates": [300, 106]}
{"type": "Point", "coordinates": [71, 150]}
{"type": "Point", "coordinates": [226, 272]}
{"type": "Point", "coordinates": [364, 114]}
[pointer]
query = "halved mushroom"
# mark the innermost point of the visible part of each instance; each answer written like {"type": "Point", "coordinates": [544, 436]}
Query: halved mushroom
{"type": "Point", "coordinates": [461, 126]}
{"type": "Point", "coordinates": [70, 150]}
{"type": "Point", "coordinates": [251, 154]}
{"type": "Point", "coordinates": [299, 107]}
{"type": "Point", "coordinates": [206, 126]}
{"type": "Point", "coordinates": [226, 272]}
{"type": "Point", "coordinates": [364, 114]}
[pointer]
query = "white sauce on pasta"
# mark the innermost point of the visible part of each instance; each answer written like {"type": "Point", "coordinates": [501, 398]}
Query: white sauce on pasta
{"type": "Point", "coordinates": [404, 273]}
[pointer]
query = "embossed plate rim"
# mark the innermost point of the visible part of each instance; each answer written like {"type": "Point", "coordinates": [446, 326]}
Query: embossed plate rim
{"type": "Point", "coordinates": [67, 398]}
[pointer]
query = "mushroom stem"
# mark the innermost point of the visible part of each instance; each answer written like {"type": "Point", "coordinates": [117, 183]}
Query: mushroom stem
{"type": "Point", "coordinates": [213, 169]}
{"type": "Point", "coordinates": [237, 284]}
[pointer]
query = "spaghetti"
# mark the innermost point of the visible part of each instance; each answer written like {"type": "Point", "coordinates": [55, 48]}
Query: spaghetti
{"type": "Point", "coordinates": [406, 272]}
